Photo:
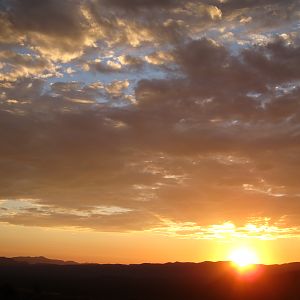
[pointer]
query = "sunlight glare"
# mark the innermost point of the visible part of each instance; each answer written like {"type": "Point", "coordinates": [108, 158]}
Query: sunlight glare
{"type": "Point", "coordinates": [243, 257]}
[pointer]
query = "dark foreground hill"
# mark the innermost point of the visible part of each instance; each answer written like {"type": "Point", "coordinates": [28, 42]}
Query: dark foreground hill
{"type": "Point", "coordinates": [185, 281]}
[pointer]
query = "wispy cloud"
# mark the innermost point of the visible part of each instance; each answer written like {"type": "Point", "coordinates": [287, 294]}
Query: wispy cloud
{"type": "Point", "coordinates": [228, 231]}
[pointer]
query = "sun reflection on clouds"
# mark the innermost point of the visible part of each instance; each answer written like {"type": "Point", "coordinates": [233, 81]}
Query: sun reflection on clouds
{"type": "Point", "coordinates": [228, 230]}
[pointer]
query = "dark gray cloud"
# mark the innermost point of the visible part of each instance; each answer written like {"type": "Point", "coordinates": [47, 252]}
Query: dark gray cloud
{"type": "Point", "coordinates": [51, 17]}
{"type": "Point", "coordinates": [134, 4]}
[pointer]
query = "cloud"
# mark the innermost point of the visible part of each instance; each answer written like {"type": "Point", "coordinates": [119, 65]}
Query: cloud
{"type": "Point", "coordinates": [159, 58]}
{"type": "Point", "coordinates": [23, 211]}
{"type": "Point", "coordinates": [136, 4]}
{"type": "Point", "coordinates": [167, 116]}
{"type": "Point", "coordinates": [101, 67]}
{"type": "Point", "coordinates": [227, 230]}
{"type": "Point", "coordinates": [52, 28]}
{"type": "Point", "coordinates": [64, 31]}
{"type": "Point", "coordinates": [276, 61]}
{"type": "Point", "coordinates": [15, 65]}
{"type": "Point", "coordinates": [268, 13]}
{"type": "Point", "coordinates": [131, 62]}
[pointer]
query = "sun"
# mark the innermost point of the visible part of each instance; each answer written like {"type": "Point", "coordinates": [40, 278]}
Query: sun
{"type": "Point", "coordinates": [243, 257]}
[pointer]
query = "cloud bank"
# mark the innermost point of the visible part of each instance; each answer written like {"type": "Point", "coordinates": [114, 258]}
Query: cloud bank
{"type": "Point", "coordinates": [142, 115]}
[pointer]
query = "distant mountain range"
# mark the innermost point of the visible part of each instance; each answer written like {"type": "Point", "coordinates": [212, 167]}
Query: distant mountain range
{"type": "Point", "coordinates": [35, 260]}
{"type": "Point", "coordinates": [32, 260]}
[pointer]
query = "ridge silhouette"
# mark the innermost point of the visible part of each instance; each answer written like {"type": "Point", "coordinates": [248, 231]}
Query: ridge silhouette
{"type": "Point", "coordinates": [185, 281]}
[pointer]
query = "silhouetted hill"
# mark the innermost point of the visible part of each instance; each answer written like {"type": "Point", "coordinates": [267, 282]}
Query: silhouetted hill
{"type": "Point", "coordinates": [184, 281]}
{"type": "Point", "coordinates": [7, 261]}
{"type": "Point", "coordinates": [42, 260]}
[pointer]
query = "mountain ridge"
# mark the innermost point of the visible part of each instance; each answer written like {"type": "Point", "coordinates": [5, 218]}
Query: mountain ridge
{"type": "Point", "coordinates": [45, 260]}
{"type": "Point", "coordinates": [36, 260]}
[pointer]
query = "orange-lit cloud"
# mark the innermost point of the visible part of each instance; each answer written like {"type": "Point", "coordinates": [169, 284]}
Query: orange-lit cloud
{"type": "Point", "coordinates": [228, 231]}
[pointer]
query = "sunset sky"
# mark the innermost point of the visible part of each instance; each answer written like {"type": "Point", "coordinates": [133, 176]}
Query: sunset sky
{"type": "Point", "coordinates": [149, 130]}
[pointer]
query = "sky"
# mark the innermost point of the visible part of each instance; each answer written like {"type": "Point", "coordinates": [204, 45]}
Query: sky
{"type": "Point", "coordinates": [149, 130]}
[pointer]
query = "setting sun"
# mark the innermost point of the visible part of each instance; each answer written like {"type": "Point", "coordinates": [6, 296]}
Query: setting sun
{"type": "Point", "coordinates": [243, 257]}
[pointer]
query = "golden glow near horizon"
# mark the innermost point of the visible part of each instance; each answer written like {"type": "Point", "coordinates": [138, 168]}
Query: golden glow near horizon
{"type": "Point", "coordinates": [134, 247]}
